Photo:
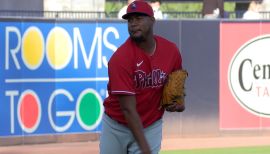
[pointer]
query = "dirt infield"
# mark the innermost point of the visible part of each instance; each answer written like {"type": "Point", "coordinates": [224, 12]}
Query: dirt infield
{"type": "Point", "coordinates": [167, 144]}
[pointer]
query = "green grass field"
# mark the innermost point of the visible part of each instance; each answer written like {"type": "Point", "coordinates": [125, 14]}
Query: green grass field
{"type": "Point", "coordinates": [238, 150]}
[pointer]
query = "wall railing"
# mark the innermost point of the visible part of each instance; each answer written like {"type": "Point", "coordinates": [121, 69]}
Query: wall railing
{"type": "Point", "coordinates": [111, 15]}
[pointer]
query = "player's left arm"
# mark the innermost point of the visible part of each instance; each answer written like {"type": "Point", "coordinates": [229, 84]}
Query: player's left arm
{"type": "Point", "coordinates": [174, 107]}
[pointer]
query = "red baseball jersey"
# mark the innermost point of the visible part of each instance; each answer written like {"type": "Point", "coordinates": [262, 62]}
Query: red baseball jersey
{"type": "Point", "coordinates": [133, 72]}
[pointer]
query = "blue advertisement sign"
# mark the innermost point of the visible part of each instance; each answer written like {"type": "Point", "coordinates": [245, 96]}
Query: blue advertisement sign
{"type": "Point", "coordinates": [53, 76]}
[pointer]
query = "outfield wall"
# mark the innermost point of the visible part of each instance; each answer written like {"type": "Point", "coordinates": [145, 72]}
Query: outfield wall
{"type": "Point", "coordinates": [199, 45]}
{"type": "Point", "coordinates": [52, 70]}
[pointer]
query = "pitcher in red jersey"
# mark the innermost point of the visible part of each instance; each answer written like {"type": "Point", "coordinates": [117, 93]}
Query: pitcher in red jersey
{"type": "Point", "coordinates": [132, 122]}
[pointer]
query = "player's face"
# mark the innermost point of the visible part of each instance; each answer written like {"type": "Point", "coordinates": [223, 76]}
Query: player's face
{"type": "Point", "coordinates": [139, 27]}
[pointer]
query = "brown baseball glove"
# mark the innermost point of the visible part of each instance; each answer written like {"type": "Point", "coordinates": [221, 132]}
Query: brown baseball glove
{"type": "Point", "coordinates": [174, 89]}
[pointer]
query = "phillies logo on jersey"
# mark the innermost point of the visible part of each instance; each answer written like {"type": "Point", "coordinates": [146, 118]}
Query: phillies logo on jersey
{"type": "Point", "coordinates": [156, 78]}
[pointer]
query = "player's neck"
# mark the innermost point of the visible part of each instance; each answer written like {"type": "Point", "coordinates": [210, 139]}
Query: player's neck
{"type": "Point", "coordinates": [149, 46]}
{"type": "Point", "coordinates": [153, 48]}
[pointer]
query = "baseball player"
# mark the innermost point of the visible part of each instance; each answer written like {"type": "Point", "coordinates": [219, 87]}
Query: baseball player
{"type": "Point", "coordinates": [132, 122]}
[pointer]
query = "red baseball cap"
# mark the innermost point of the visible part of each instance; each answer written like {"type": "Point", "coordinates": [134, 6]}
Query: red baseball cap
{"type": "Point", "coordinates": [140, 7]}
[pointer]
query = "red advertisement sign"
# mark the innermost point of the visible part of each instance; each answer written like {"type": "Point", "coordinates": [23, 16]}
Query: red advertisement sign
{"type": "Point", "coordinates": [244, 87]}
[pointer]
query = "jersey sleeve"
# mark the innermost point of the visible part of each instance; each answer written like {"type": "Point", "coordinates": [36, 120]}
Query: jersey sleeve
{"type": "Point", "coordinates": [120, 76]}
{"type": "Point", "coordinates": [178, 60]}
